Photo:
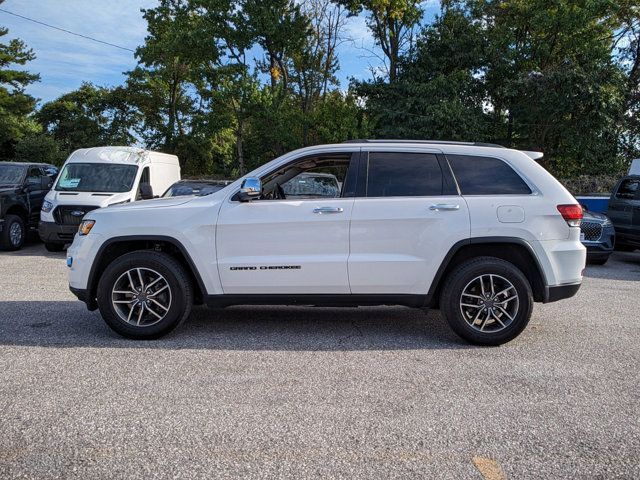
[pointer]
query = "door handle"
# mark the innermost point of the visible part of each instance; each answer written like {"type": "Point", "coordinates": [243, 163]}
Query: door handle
{"type": "Point", "coordinates": [323, 210]}
{"type": "Point", "coordinates": [444, 206]}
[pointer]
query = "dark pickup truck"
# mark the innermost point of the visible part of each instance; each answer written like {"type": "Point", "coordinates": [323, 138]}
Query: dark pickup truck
{"type": "Point", "coordinates": [23, 187]}
{"type": "Point", "coordinates": [624, 212]}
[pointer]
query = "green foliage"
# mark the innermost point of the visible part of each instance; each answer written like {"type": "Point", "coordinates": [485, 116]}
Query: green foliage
{"type": "Point", "coordinates": [40, 148]}
{"type": "Point", "coordinates": [15, 105]}
{"type": "Point", "coordinates": [391, 22]}
{"type": "Point", "coordinates": [88, 117]}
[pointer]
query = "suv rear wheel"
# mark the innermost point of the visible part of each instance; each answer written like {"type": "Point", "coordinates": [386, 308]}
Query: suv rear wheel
{"type": "Point", "coordinates": [13, 234]}
{"type": "Point", "coordinates": [487, 301]}
{"type": "Point", "coordinates": [144, 295]}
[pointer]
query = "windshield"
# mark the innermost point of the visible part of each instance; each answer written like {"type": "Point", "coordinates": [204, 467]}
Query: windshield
{"type": "Point", "coordinates": [11, 174]}
{"type": "Point", "coordinates": [97, 177]}
{"type": "Point", "coordinates": [197, 189]}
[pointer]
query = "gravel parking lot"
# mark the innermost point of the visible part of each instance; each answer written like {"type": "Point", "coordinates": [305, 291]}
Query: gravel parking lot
{"type": "Point", "coordinates": [303, 392]}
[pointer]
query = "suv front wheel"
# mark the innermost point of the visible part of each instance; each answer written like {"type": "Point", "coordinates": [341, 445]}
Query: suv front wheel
{"type": "Point", "coordinates": [144, 294]}
{"type": "Point", "coordinates": [487, 301]}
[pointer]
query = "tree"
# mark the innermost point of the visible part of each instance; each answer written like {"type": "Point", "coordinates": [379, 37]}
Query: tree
{"type": "Point", "coordinates": [40, 148]}
{"type": "Point", "coordinates": [551, 80]}
{"type": "Point", "coordinates": [439, 92]}
{"type": "Point", "coordinates": [15, 105]}
{"type": "Point", "coordinates": [280, 28]}
{"type": "Point", "coordinates": [88, 117]}
{"type": "Point", "coordinates": [169, 60]}
{"type": "Point", "coordinates": [392, 23]}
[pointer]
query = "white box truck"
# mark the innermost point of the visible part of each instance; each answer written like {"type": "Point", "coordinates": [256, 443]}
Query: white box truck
{"type": "Point", "coordinates": [98, 177]}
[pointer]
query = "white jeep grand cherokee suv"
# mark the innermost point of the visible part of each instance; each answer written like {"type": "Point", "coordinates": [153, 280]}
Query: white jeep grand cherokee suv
{"type": "Point", "coordinates": [479, 231]}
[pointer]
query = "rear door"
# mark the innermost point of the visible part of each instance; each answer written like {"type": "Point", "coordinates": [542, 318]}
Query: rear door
{"type": "Point", "coordinates": [621, 205]}
{"type": "Point", "coordinates": [406, 217]}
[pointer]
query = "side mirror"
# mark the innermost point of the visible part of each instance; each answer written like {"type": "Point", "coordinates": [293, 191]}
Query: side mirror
{"type": "Point", "coordinates": [146, 191]}
{"type": "Point", "coordinates": [46, 182]}
{"type": "Point", "coordinates": [251, 188]}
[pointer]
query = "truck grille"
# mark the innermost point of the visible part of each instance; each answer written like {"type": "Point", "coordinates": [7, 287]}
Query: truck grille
{"type": "Point", "coordinates": [71, 214]}
{"type": "Point", "coordinates": [591, 230]}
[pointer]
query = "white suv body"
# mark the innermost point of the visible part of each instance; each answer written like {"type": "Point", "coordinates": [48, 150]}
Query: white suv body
{"type": "Point", "coordinates": [417, 224]}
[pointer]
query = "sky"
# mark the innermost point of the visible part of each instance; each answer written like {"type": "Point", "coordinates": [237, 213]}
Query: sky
{"type": "Point", "coordinates": [64, 61]}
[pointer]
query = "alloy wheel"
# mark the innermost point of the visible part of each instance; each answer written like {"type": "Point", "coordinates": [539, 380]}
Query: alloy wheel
{"type": "Point", "coordinates": [15, 234]}
{"type": "Point", "coordinates": [141, 297]}
{"type": "Point", "coordinates": [489, 303]}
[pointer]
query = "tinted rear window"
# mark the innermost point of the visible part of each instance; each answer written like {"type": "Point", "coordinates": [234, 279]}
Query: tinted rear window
{"type": "Point", "coordinates": [397, 174]}
{"type": "Point", "coordinates": [628, 189]}
{"type": "Point", "coordinates": [486, 176]}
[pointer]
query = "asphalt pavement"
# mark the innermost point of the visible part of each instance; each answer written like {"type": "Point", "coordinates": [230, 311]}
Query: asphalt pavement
{"type": "Point", "coordinates": [274, 392]}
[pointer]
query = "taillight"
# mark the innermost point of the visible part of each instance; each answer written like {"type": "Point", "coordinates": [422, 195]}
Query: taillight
{"type": "Point", "coordinates": [571, 213]}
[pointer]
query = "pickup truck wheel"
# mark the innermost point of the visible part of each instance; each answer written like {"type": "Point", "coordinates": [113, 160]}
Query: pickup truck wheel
{"type": "Point", "coordinates": [487, 301]}
{"type": "Point", "coordinates": [54, 247]}
{"type": "Point", "coordinates": [13, 233]}
{"type": "Point", "coordinates": [144, 295]}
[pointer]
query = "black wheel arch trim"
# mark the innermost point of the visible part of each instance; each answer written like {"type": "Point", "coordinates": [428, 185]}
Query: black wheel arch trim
{"type": "Point", "coordinates": [437, 279]}
{"type": "Point", "coordinates": [92, 282]}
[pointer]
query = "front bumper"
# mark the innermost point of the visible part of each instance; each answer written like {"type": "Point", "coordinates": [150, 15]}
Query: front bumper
{"type": "Point", "coordinates": [51, 232]}
{"type": "Point", "coordinates": [602, 247]}
{"type": "Point", "coordinates": [82, 295]}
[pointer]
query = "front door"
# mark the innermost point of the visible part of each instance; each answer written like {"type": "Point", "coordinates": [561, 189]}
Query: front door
{"type": "Point", "coordinates": [295, 239]}
{"type": "Point", "coordinates": [35, 193]}
{"type": "Point", "coordinates": [621, 206]}
{"type": "Point", "coordinates": [404, 222]}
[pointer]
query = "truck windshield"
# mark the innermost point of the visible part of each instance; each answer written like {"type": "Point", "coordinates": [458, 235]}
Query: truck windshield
{"type": "Point", "coordinates": [11, 174]}
{"type": "Point", "coordinates": [96, 177]}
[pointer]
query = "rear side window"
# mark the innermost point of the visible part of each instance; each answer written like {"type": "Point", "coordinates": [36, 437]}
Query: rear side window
{"type": "Point", "coordinates": [398, 174]}
{"type": "Point", "coordinates": [628, 189]}
{"type": "Point", "coordinates": [486, 176]}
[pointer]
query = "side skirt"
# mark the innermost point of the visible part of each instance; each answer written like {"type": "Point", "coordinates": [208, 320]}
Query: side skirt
{"type": "Point", "coordinates": [324, 300]}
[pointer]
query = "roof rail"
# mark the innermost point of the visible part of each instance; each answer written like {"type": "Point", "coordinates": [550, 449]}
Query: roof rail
{"type": "Point", "coordinates": [430, 142]}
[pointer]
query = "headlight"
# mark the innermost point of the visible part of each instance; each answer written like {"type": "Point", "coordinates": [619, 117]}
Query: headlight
{"type": "Point", "coordinates": [119, 203]}
{"type": "Point", "coordinates": [607, 223]}
{"type": "Point", "coordinates": [47, 206]}
{"type": "Point", "coordinates": [85, 227]}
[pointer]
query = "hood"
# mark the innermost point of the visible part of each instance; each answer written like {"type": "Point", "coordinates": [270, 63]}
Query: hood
{"type": "Point", "coordinates": [155, 203]}
{"type": "Point", "coordinates": [594, 216]}
{"type": "Point", "coordinates": [87, 198]}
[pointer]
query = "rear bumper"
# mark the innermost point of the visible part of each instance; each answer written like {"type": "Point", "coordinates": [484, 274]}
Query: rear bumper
{"type": "Point", "coordinates": [560, 292]}
{"type": "Point", "coordinates": [51, 232]}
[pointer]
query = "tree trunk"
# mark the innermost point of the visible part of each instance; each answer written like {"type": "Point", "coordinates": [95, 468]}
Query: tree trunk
{"type": "Point", "coordinates": [240, 147]}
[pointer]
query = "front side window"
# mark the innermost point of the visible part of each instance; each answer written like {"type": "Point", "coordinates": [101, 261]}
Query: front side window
{"type": "Point", "coordinates": [33, 176]}
{"type": "Point", "coordinates": [486, 176]}
{"type": "Point", "coordinates": [11, 175]}
{"type": "Point", "coordinates": [399, 174]}
{"type": "Point", "coordinates": [628, 189]}
{"type": "Point", "coordinates": [96, 177]}
{"type": "Point", "coordinates": [313, 177]}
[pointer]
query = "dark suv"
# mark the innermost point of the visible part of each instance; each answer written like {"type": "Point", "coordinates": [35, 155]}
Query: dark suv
{"type": "Point", "coordinates": [23, 187]}
{"type": "Point", "coordinates": [624, 212]}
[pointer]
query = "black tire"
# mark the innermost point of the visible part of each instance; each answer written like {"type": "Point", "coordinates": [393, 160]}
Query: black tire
{"type": "Point", "coordinates": [54, 247]}
{"type": "Point", "coordinates": [597, 261]}
{"type": "Point", "coordinates": [7, 241]}
{"type": "Point", "coordinates": [461, 277]}
{"type": "Point", "coordinates": [178, 282]}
